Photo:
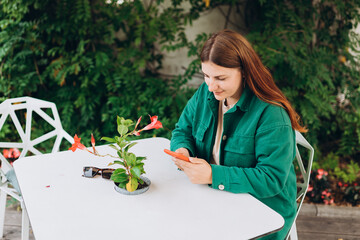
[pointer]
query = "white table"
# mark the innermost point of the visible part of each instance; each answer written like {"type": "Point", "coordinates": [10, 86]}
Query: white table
{"type": "Point", "coordinates": [62, 204]}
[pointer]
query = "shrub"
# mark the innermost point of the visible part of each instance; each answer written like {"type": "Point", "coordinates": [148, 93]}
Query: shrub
{"type": "Point", "coordinates": [94, 59]}
{"type": "Point", "coordinates": [307, 45]}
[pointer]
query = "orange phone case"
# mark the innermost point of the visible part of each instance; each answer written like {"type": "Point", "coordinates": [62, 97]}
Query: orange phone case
{"type": "Point", "coordinates": [177, 155]}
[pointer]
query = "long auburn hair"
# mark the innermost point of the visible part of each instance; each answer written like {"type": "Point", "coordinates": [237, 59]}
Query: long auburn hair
{"type": "Point", "coordinates": [231, 50]}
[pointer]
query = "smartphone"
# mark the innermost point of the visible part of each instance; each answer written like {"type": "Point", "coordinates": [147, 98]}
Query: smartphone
{"type": "Point", "coordinates": [177, 155]}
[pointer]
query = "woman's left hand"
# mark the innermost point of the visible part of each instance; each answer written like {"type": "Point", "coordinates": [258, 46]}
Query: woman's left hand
{"type": "Point", "coordinates": [198, 170]}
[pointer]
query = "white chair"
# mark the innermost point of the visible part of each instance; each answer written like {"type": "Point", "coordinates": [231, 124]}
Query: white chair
{"type": "Point", "coordinates": [27, 106]}
{"type": "Point", "coordinates": [303, 185]}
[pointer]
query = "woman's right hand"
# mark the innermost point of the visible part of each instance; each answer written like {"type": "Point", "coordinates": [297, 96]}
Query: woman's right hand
{"type": "Point", "coordinates": [182, 151]}
{"type": "Point", "coordinates": [198, 170]}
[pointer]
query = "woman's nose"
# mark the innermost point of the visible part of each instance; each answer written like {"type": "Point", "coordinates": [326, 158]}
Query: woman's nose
{"type": "Point", "coordinates": [212, 85]}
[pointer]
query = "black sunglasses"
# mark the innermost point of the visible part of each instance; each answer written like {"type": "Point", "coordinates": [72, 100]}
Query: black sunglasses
{"type": "Point", "coordinates": [91, 172]}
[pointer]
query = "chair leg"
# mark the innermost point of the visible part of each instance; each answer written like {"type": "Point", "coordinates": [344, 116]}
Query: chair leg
{"type": "Point", "coordinates": [25, 223]}
{"type": "Point", "coordinates": [2, 212]}
{"type": "Point", "coordinates": [293, 232]}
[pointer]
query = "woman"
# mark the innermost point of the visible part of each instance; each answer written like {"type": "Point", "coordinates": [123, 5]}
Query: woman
{"type": "Point", "coordinates": [238, 128]}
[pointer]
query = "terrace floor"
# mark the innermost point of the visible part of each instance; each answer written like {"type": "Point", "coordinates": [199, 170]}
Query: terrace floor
{"type": "Point", "coordinates": [314, 222]}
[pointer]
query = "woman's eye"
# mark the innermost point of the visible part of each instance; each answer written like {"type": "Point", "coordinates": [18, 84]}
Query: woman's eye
{"type": "Point", "coordinates": [221, 79]}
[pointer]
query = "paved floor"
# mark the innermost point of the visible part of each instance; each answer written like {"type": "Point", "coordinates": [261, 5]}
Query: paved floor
{"type": "Point", "coordinates": [314, 222]}
{"type": "Point", "coordinates": [328, 223]}
{"type": "Point", "coordinates": [12, 229]}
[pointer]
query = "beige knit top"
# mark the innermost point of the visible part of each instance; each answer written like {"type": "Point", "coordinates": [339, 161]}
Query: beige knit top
{"type": "Point", "coordinates": [216, 149]}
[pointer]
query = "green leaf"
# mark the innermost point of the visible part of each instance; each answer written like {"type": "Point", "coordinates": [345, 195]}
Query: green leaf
{"type": "Point", "coordinates": [117, 162]}
{"type": "Point", "coordinates": [113, 146]}
{"type": "Point", "coordinates": [108, 139]}
{"type": "Point", "coordinates": [119, 170]}
{"type": "Point", "coordinates": [137, 41]}
{"type": "Point", "coordinates": [122, 185]}
{"type": "Point", "coordinates": [119, 120]}
{"type": "Point", "coordinates": [120, 154]}
{"type": "Point", "coordinates": [122, 177]}
{"type": "Point", "coordinates": [135, 171]}
{"type": "Point", "coordinates": [122, 129]}
{"type": "Point", "coordinates": [129, 146]}
{"type": "Point", "coordinates": [140, 166]}
{"type": "Point", "coordinates": [131, 159]}
{"type": "Point", "coordinates": [140, 159]}
{"type": "Point", "coordinates": [122, 144]}
{"type": "Point", "coordinates": [127, 122]}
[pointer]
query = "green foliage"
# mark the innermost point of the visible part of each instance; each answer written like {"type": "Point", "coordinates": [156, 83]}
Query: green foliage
{"type": "Point", "coordinates": [342, 171]}
{"type": "Point", "coordinates": [93, 59]}
{"type": "Point", "coordinates": [352, 194]}
{"type": "Point", "coordinates": [328, 163]}
{"type": "Point", "coordinates": [311, 52]}
{"type": "Point", "coordinates": [349, 174]}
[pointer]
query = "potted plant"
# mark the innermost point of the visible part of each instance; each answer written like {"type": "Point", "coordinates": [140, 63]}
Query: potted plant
{"type": "Point", "coordinates": [128, 178]}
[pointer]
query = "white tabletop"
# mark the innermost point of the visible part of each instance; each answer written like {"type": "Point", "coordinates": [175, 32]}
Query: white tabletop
{"type": "Point", "coordinates": [62, 204]}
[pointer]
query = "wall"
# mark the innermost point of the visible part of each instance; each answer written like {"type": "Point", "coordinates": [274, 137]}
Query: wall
{"type": "Point", "coordinates": [210, 21]}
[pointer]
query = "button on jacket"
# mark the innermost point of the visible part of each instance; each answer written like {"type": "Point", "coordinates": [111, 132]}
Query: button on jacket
{"type": "Point", "coordinates": [256, 152]}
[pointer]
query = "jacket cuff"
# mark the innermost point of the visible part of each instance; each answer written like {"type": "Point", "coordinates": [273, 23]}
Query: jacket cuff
{"type": "Point", "coordinates": [219, 178]}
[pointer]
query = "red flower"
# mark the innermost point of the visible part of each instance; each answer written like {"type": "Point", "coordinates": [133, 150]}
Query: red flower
{"type": "Point", "coordinates": [328, 202]}
{"type": "Point", "coordinates": [6, 153]}
{"type": "Point", "coordinates": [12, 153]}
{"type": "Point", "coordinates": [321, 173]}
{"type": "Point", "coordinates": [15, 152]}
{"type": "Point", "coordinates": [92, 140]}
{"type": "Point", "coordinates": [137, 123]}
{"type": "Point", "coordinates": [77, 144]}
{"type": "Point", "coordinates": [154, 123]}
{"type": "Point", "coordinates": [326, 193]}
{"type": "Point", "coordinates": [137, 133]}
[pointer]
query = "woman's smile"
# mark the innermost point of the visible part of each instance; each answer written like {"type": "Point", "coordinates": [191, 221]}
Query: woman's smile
{"type": "Point", "coordinates": [218, 92]}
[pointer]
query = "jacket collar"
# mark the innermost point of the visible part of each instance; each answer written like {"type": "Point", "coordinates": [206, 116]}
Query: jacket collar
{"type": "Point", "coordinates": [242, 104]}
{"type": "Point", "coordinates": [245, 99]}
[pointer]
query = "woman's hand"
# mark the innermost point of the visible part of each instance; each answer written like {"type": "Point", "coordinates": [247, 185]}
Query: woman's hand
{"type": "Point", "coordinates": [182, 151]}
{"type": "Point", "coordinates": [198, 170]}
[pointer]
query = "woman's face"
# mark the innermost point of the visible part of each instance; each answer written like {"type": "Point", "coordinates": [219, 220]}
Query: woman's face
{"type": "Point", "coordinates": [224, 83]}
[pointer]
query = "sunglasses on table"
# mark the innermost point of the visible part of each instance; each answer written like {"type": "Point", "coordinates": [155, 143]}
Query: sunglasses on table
{"type": "Point", "coordinates": [91, 172]}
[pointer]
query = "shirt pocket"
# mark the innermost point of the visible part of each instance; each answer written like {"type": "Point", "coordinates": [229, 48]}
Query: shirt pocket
{"type": "Point", "coordinates": [199, 132]}
{"type": "Point", "coordinates": [199, 136]}
{"type": "Point", "coordinates": [239, 151]}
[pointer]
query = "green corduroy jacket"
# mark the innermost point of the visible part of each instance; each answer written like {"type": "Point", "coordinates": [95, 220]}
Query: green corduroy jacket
{"type": "Point", "coordinates": [256, 151]}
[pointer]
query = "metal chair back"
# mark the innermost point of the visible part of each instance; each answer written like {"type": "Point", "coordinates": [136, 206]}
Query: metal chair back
{"type": "Point", "coordinates": [304, 179]}
{"type": "Point", "coordinates": [8, 110]}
